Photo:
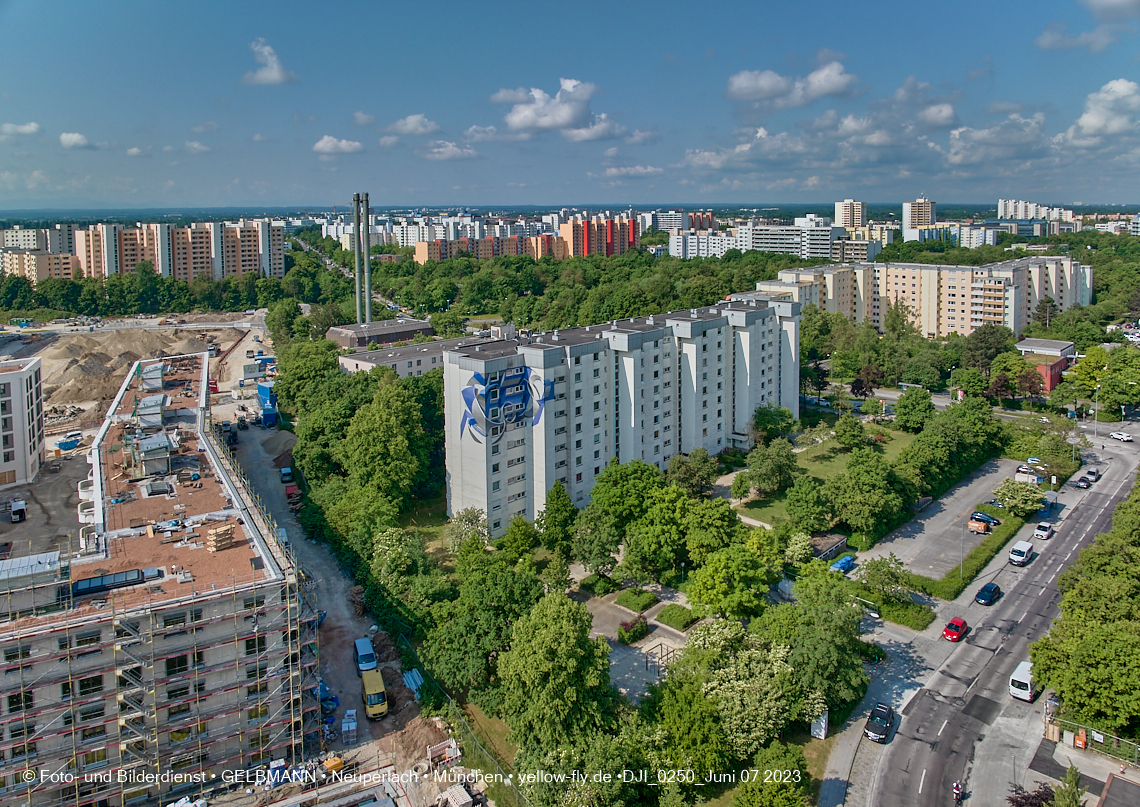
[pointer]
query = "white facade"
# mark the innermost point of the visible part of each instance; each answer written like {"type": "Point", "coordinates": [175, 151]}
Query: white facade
{"type": "Point", "coordinates": [850, 213]}
{"type": "Point", "coordinates": [1134, 227]}
{"type": "Point", "coordinates": [20, 238]}
{"type": "Point", "coordinates": [972, 237]}
{"type": "Point", "coordinates": [1017, 209]}
{"type": "Point", "coordinates": [526, 413]}
{"type": "Point", "coordinates": [21, 421]}
{"type": "Point", "coordinates": [701, 245]}
{"type": "Point", "coordinates": [809, 237]}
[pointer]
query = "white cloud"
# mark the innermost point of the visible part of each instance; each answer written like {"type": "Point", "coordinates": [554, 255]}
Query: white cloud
{"type": "Point", "coordinates": [362, 119]}
{"type": "Point", "coordinates": [1015, 138]}
{"type": "Point", "coordinates": [489, 134]}
{"type": "Point", "coordinates": [941, 115]}
{"type": "Point", "coordinates": [1108, 111]}
{"type": "Point", "coordinates": [194, 147]}
{"type": "Point", "coordinates": [1096, 40]}
{"type": "Point", "coordinates": [168, 149]}
{"type": "Point", "coordinates": [387, 141]}
{"type": "Point", "coordinates": [259, 138]}
{"type": "Point", "coordinates": [74, 140]}
{"type": "Point", "coordinates": [639, 136]}
{"type": "Point", "coordinates": [208, 126]}
{"type": "Point", "coordinates": [518, 96]}
{"type": "Point", "coordinates": [414, 125]}
{"type": "Point", "coordinates": [611, 152]}
{"type": "Point", "coordinates": [634, 171]}
{"type": "Point", "coordinates": [600, 128]}
{"type": "Point", "coordinates": [1113, 9]}
{"type": "Point", "coordinates": [569, 108]}
{"type": "Point", "coordinates": [330, 145]}
{"type": "Point", "coordinates": [19, 128]}
{"type": "Point", "coordinates": [271, 70]}
{"type": "Point", "coordinates": [446, 150]}
{"type": "Point", "coordinates": [784, 93]}
{"type": "Point", "coordinates": [757, 85]}
{"type": "Point", "coordinates": [134, 151]}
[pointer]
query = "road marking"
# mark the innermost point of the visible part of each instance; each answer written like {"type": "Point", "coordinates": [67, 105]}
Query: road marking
{"type": "Point", "coordinates": [1051, 578]}
{"type": "Point", "coordinates": [1023, 616]}
{"type": "Point", "coordinates": [1043, 589]}
{"type": "Point", "coordinates": [921, 781]}
{"type": "Point", "coordinates": [1069, 555]}
{"type": "Point", "coordinates": [944, 722]}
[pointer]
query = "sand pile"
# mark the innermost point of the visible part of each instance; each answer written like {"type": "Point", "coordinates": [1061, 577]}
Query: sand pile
{"type": "Point", "coordinates": [411, 742]}
{"type": "Point", "coordinates": [91, 367]}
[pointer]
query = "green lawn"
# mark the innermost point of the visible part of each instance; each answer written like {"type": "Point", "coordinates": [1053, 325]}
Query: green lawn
{"type": "Point", "coordinates": [429, 517]}
{"type": "Point", "coordinates": [821, 462]}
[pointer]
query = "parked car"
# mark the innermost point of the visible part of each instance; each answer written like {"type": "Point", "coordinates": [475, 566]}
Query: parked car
{"type": "Point", "coordinates": [1121, 436]}
{"type": "Point", "coordinates": [878, 725]}
{"type": "Point", "coordinates": [995, 503]}
{"type": "Point", "coordinates": [1093, 474]}
{"type": "Point", "coordinates": [988, 594]}
{"type": "Point", "coordinates": [978, 515]}
{"type": "Point", "coordinates": [955, 630]}
{"type": "Point", "coordinates": [1044, 531]}
{"type": "Point", "coordinates": [1021, 553]}
{"type": "Point", "coordinates": [844, 564]}
{"type": "Point", "coordinates": [1083, 483]}
{"type": "Point", "coordinates": [1025, 469]}
{"type": "Point", "coordinates": [1034, 460]}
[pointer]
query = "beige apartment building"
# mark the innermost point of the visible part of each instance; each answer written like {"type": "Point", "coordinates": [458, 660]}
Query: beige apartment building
{"type": "Point", "coordinates": [35, 265]}
{"type": "Point", "coordinates": [213, 249]}
{"type": "Point", "coordinates": [168, 641]}
{"type": "Point", "coordinates": [941, 299]}
{"type": "Point", "coordinates": [850, 213]}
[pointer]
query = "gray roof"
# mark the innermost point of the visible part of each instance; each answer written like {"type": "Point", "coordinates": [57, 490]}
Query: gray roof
{"type": "Point", "coordinates": [1039, 345]}
{"type": "Point", "coordinates": [381, 327]}
{"type": "Point", "coordinates": [15, 568]}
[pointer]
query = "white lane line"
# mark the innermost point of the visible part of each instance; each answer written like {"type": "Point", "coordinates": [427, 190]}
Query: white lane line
{"type": "Point", "coordinates": [1051, 578]}
{"type": "Point", "coordinates": [1023, 616]}
{"type": "Point", "coordinates": [1043, 589]}
{"type": "Point", "coordinates": [944, 722]}
{"type": "Point", "coordinates": [1069, 555]}
{"type": "Point", "coordinates": [920, 781]}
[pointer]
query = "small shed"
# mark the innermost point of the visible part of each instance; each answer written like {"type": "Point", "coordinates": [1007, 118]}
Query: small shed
{"type": "Point", "coordinates": [152, 455]}
{"type": "Point", "coordinates": [152, 377]}
{"type": "Point", "coordinates": [149, 411]}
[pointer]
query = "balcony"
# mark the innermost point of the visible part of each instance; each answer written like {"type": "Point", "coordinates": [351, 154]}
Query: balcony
{"type": "Point", "coordinates": [87, 490]}
{"type": "Point", "coordinates": [87, 512]}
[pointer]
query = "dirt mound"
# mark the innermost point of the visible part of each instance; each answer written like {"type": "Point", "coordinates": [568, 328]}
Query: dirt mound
{"type": "Point", "coordinates": [284, 459]}
{"type": "Point", "coordinates": [385, 648]}
{"type": "Point", "coordinates": [412, 741]}
{"type": "Point", "coordinates": [279, 442]}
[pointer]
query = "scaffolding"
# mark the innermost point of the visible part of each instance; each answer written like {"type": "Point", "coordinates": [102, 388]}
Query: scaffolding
{"type": "Point", "coordinates": [134, 679]}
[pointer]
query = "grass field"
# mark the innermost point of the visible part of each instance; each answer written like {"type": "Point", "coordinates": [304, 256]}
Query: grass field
{"type": "Point", "coordinates": [821, 462]}
{"type": "Point", "coordinates": [429, 517]}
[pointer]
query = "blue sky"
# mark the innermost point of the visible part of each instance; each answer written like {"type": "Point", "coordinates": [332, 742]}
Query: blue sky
{"type": "Point", "coordinates": [136, 104]}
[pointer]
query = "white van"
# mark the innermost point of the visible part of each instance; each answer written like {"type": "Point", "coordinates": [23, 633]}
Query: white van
{"type": "Point", "coordinates": [1021, 684]}
{"type": "Point", "coordinates": [364, 656]}
{"type": "Point", "coordinates": [1021, 553]}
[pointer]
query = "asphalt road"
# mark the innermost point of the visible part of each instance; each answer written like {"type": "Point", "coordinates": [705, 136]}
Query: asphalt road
{"type": "Point", "coordinates": [936, 738]}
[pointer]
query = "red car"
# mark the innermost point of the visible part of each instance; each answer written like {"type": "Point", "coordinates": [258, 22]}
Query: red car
{"type": "Point", "coordinates": [955, 630]}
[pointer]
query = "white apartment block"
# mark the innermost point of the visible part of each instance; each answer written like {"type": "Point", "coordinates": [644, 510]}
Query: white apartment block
{"type": "Point", "coordinates": [1017, 209]}
{"type": "Point", "coordinates": [701, 245]}
{"type": "Point", "coordinates": [30, 239]}
{"type": "Point", "coordinates": [918, 214]}
{"type": "Point", "coordinates": [850, 213]}
{"type": "Point", "coordinates": [809, 237]}
{"type": "Point", "coordinates": [941, 299]}
{"type": "Point", "coordinates": [525, 413]}
{"type": "Point", "coordinates": [1134, 226]}
{"type": "Point", "coordinates": [973, 237]}
{"type": "Point", "coordinates": [21, 421]}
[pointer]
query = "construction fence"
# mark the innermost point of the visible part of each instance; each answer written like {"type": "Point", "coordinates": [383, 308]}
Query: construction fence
{"type": "Point", "coordinates": [1077, 735]}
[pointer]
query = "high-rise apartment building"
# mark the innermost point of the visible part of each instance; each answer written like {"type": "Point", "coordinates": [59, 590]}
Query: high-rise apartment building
{"type": "Point", "coordinates": [809, 237]}
{"type": "Point", "coordinates": [170, 640]}
{"type": "Point", "coordinates": [21, 422]}
{"type": "Point", "coordinates": [37, 265]}
{"type": "Point", "coordinates": [600, 236]}
{"type": "Point", "coordinates": [850, 213]}
{"type": "Point", "coordinates": [559, 406]}
{"type": "Point", "coordinates": [21, 238]}
{"type": "Point", "coordinates": [941, 300]}
{"type": "Point", "coordinates": [1018, 209]}
{"type": "Point", "coordinates": [918, 214]}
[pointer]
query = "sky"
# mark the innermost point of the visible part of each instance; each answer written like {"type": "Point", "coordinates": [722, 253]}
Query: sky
{"type": "Point", "coordinates": [158, 104]}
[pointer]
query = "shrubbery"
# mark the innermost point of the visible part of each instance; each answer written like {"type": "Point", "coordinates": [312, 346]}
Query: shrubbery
{"type": "Point", "coordinates": [676, 616]}
{"type": "Point", "coordinates": [636, 599]}
{"type": "Point", "coordinates": [598, 584]}
{"type": "Point", "coordinates": [632, 630]}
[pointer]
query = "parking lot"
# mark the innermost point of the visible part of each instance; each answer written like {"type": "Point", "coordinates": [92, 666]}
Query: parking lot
{"type": "Point", "coordinates": [934, 541]}
{"type": "Point", "coordinates": [51, 500]}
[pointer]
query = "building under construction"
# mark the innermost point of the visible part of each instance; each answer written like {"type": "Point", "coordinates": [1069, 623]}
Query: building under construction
{"type": "Point", "coordinates": [173, 640]}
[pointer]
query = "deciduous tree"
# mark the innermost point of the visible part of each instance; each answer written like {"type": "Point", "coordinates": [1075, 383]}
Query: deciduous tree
{"type": "Point", "coordinates": [849, 432]}
{"type": "Point", "coordinates": [806, 505]}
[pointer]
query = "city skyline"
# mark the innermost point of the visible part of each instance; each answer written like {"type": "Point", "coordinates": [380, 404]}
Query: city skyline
{"type": "Point", "coordinates": [264, 110]}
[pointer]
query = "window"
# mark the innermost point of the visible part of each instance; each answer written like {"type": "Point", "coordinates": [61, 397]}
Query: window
{"type": "Point", "coordinates": [577, 477]}
{"type": "Point", "coordinates": [87, 639]}
{"type": "Point", "coordinates": [175, 712]}
{"type": "Point", "coordinates": [254, 602]}
{"type": "Point", "coordinates": [92, 733]}
{"type": "Point", "coordinates": [577, 376]}
{"type": "Point", "coordinates": [258, 713]}
{"type": "Point", "coordinates": [23, 750]}
{"type": "Point", "coordinates": [95, 759]}
{"type": "Point", "coordinates": [19, 701]}
{"type": "Point", "coordinates": [173, 620]}
{"type": "Point", "coordinates": [255, 645]}
{"type": "Point", "coordinates": [261, 689]}
{"type": "Point", "coordinates": [495, 468]}
{"type": "Point", "coordinates": [91, 713]}
{"type": "Point", "coordinates": [495, 485]}
{"type": "Point", "coordinates": [496, 525]}
{"type": "Point", "coordinates": [91, 685]}
{"type": "Point", "coordinates": [16, 653]}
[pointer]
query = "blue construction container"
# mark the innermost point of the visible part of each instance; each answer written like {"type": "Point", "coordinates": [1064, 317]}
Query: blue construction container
{"type": "Point", "coordinates": [266, 395]}
{"type": "Point", "coordinates": [269, 418]}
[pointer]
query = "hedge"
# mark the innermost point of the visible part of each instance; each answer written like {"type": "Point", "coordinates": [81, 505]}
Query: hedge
{"type": "Point", "coordinates": [632, 630]}
{"type": "Point", "coordinates": [636, 599]}
{"type": "Point", "coordinates": [676, 616]}
{"type": "Point", "coordinates": [955, 582]}
{"type": "Point", "coordinates": [913, 615]}
{"type": "Point", "coordinates": [598, 584]}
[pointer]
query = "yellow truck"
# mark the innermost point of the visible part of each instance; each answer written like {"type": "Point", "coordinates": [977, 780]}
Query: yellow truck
{"type": "Point", "coordinates": [373, 694]}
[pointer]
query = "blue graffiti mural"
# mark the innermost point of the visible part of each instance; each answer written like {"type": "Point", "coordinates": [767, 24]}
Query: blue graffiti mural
{"type": "Point", "coordinates": [516, 395]}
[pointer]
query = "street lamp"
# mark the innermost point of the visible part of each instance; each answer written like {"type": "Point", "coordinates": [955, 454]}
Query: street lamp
{"type": "Point", "coordinates": [1096, 409]}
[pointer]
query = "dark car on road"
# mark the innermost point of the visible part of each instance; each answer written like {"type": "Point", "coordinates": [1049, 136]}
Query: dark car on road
{"type": "Point", "coordinates": [985, 518]}
{"type": "Point", "coordinates": [1083, 483]}
{"type": "Point", "coordinates": [988, 594]}
{"type": "Point", "coordinates": [878, 725]}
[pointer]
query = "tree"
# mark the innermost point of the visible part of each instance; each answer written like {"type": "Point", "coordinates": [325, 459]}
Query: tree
{"type": "Point", "coordinates": [694, 474]}
{"type": "Point", "coordinates": [556, 519]}
{"type": "Point", "coordinates": [799, 549]}
{"type": "Point", "coordinates": [520, 539]}
{"type": "Point", "coordinates": [1012, 364]}
{"type": "Point", "coordinates": [755, 691]}
{"type": "Point", "coordinates": [1041, 796]}
{"type": "Point", "coordinates": [656, 541]}
{"type": "Point", "coordinates": [849, 432]}
{"type": "Point", "coordinates": [691, 722]}
{"type": "Point", "coordinates": [469, 523]}
{"type": "Point", "coordinates": [595, 541]}
{"type": "Point", "coordinates": [984, 344]}
{"type": "Point", "coordinates": [806, 505]}
{"type": "Point", "coordinates": [711, 524]}
{"type": "Point", "coordinates": [1030, 383]}
{"type": "Point", "coordinates": [971, 381]}
{"type": "Point", "coordinates": [1045, 311]}
{"type": "Point", "coordinates": [1019, 498]}
{"type": "Point", "coordinates": [771, 467]}
{"type": "Point", "coordinates": [471, 632]}
{"type": "Point", "coordinates": [1001, 386]}
{"type": "Point", "coordinates": [872, 407]}
{"type": "Point", "coordinates": [448, 324]}
{"type": "Point", "coordinates": [869, 378]}
{"type": "Point", "coordinates": [864, 496]}
{"type": "Point", "coordinates": [621, 491]}
{"type": "Point", "coordinates": [555, 679]}
{"type": "Point", "coordinates": [1064, 394]}
{"type": "Point", "coordinates": [733, 583]}
{"type": "Point", "coordinates": [1070, 793]}
{"type": "Point", "coordinates": [886, 577]}
{"type": "Point", "coordinates": [771, 421]}
{"type": "Point", "coordinates": [790, 789]}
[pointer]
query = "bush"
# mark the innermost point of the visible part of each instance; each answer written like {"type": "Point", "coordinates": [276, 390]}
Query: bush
{"type": "Point", "coordinates": [598, 584]}
{"type": "Point", "coordinates": [872, 652]}
{"type": "Point", "coordinates": [676, 616]}
{"type": "Point", "coordinates": [913, 615]}
{"type": "Point", "coordinates": [632, 630]}
{"type": "Point", "coordinates": [950, 586]}
{"type": "Point", "coordinates": [636, 599]}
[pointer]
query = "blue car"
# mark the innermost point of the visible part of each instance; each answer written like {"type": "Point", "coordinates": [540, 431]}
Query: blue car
{"type": "Point", "coordinates": [844, 564]}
